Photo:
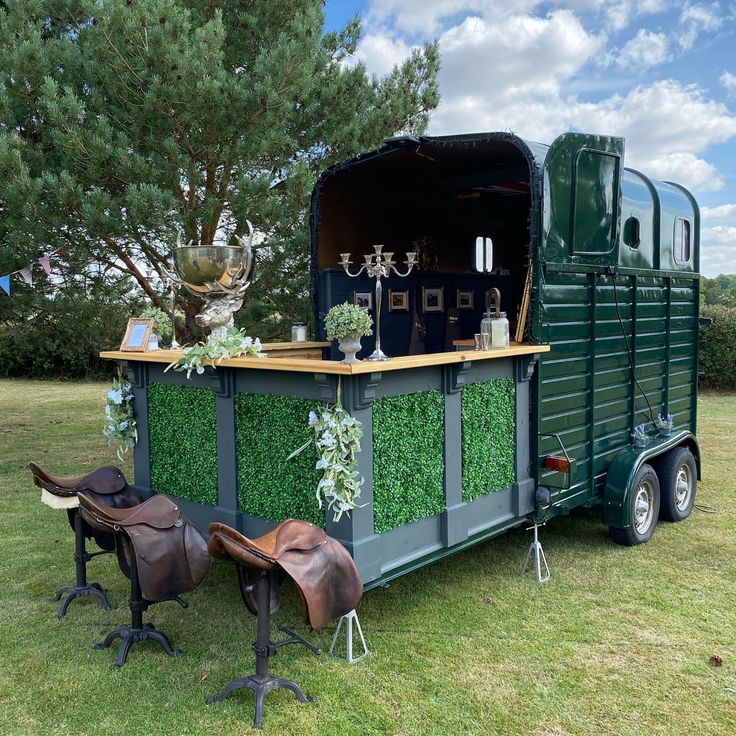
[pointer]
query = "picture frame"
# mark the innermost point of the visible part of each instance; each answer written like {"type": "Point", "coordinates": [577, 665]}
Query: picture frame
{"type": "Point", "coordinates": [363, 299]}
{"type": "Point", "coordinates": [137, 334]}
{"type": "Point", "coordinates": [433, 299]}
{"type": "Point", "coordinates": [398, 300]}
{"type": "Point", "coordinates": [465, 299]}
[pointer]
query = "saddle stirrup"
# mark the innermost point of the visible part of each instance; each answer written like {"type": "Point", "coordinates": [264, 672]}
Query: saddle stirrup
{"type": "Point", "coordinates": [81, 588]}
{"type": "Point", "coordinates": [535, 556]}
{"type": "Point", "coordinates": [137, 631]}
{"type": "Point", "coordinates": [263, 682]}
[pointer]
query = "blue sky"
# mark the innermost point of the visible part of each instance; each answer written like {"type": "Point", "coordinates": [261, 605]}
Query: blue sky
{"type": "Point", "coordinates": [661, 73]}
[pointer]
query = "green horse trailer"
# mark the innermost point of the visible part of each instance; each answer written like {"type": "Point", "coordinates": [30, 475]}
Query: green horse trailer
{"type": "Point", "coordinates": [597, 268]}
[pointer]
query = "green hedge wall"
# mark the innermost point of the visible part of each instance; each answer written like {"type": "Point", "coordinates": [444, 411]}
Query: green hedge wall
{"type": "Point", "coordinates": [489, 436]}
{"type": "Point", "coordinates": [408, 458]}
{"type": "Point", "coordinates": [183, 428]}
{"type": "Point", "coordinates": [269, 428]}
{"type": "Point", "coordinates": [718, 347]}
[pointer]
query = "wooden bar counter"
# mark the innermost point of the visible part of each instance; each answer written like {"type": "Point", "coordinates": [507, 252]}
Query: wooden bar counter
{"type": "Point", "coordinates": [445, 451]}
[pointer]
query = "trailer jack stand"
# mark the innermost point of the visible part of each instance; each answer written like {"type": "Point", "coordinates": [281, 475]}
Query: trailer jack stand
{"type": "Point", "coordinates": [535, 556]}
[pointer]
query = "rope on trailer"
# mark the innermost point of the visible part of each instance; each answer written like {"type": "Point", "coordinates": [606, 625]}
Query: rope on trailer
{"type": "Point", "coordinates": [628, 349]}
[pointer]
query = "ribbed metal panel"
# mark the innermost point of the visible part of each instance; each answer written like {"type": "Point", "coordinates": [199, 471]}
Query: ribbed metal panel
{"type": "Point", "coordinates": [586, 394]}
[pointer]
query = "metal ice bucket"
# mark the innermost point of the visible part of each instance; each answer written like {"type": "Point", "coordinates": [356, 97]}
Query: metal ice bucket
{"type": "Point", "coordinates": [203, 268]}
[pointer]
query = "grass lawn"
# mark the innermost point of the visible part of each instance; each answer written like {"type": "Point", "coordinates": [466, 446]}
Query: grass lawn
{"type": "Point", "coordinates": [618, 641]}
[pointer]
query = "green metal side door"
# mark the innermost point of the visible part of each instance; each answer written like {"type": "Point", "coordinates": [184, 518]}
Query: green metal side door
{"type": "Point", "coordinates": [589, 415]}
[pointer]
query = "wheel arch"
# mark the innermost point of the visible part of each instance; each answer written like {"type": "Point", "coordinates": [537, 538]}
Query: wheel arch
{"type": "Point", "coordinates": [625, 466]}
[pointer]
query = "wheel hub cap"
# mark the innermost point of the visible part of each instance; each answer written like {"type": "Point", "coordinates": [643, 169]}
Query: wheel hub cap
{"type": "Point", "coordinates": [683, 487]}
{"type": "Point", "coordinates": [643, 508]}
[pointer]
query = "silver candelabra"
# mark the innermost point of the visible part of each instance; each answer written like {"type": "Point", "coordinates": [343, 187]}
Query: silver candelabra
{"type": "Point", "coordinates": [378, 265]}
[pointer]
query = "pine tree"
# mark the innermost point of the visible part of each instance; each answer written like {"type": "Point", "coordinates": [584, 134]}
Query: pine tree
{"type": "Point", "coordinates": [126, 122]}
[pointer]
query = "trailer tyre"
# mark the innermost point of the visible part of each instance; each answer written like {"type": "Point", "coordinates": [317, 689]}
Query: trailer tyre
{"type": "Point", "coordinates": [678, 479]}
{"type": "Point", "coordinates": [644, 509]}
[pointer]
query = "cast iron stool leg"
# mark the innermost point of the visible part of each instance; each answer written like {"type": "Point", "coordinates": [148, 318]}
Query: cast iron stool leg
{"type": "Point", "coordinates": [81, 588]}
{"type": "Point", "coordinates": [137, 631]}
{"type": "Point", "coordinates": [263, 682]}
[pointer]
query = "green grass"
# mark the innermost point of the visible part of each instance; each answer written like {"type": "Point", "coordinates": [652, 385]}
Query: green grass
{"type": "Point", "coordinates": [616, 643]}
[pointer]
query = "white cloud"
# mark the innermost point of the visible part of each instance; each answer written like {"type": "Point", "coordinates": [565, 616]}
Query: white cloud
{"type": "Point", "coordinates": [694, 19]}
{"type": "Point", "coordinates": [728, 80]}
{"type": "Point", "coordinates": [721, 212]}
{"type": "Point", "coordinates": [646, 49]}
{"type": "Point", "coordinates": [685, 168]}
{"type": "Point", "coordinates": [717, 250]}
{"type": "Point", "coordinates": [620, 14]}
{"type": "Point", "coordinates": [380, 52]}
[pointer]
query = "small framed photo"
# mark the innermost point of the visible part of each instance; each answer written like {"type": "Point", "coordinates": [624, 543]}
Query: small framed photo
{"type": "Point", "coordinates": [433, 299]}
{"type": "Point", "coordinates": [363, 299]}
{"type": "Point", "coordinates": [465, 299]}
{"type": "Point", "coordinates": [398, 301]}
{"type": "Point", "coordinates": [137, 334]}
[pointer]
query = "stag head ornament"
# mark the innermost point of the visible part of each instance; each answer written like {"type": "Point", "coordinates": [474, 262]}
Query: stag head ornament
{"type": "Point", "coordinates": [219, 274]}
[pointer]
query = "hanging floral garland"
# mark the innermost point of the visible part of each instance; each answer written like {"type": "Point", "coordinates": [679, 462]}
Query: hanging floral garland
{"type": "Point", "coordinates": [120, 426]}
{"type": "Point", "coordinates": [337, 438]}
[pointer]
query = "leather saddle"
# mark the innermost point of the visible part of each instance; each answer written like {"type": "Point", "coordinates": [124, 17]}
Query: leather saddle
{"type": "Point", "coordinates": [322, 569]}
{"type": "Point", "coordinates": [107, 484]}
{"type": "Point", "coordinates": [169, 553]}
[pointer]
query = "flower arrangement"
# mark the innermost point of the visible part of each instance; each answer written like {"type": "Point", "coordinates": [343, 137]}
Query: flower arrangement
{"type": "Point", "coordinates": [337, 437]}
{"type": "Point", "coordinates": [640, 435]}
{"type": "Point", "coordinates": [347, 319]}
{"type": "Point", "coordinates": [120, 426]}
{"type": "Point", "coordinates": [215, 350]}
{"type": "Point", "coordinates": [664, 424]}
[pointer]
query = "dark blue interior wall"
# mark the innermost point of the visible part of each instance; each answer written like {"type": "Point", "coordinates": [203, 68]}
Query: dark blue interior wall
{"type": "Point", "coordinates": [333, 286]}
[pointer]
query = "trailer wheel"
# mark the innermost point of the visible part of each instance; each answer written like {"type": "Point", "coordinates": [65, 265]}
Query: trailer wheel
{"type": "Point", "coordinates": [644, 507]}
{"type": "Point", "coordinates": [678, 478]}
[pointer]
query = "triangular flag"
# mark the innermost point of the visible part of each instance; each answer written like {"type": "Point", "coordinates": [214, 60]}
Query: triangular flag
{"type": "Point", "coordinates": [45, 261]}
{"type": "Point", "coordinates": [27, 275]}
{"type": "Point", "coordinates": [5, 284]}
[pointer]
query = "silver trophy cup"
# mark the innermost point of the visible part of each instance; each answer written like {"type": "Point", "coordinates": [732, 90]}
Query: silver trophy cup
{"type": "Point", "coordinates": [219, 274]}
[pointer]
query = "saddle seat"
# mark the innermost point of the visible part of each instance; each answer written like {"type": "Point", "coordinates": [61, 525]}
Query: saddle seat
{"type": "Point", "coordinates": [322, 569]}
{"type": "Point", "coordinates": [108, 485]}
{"type": "Point", "coordinates": [325, 576]}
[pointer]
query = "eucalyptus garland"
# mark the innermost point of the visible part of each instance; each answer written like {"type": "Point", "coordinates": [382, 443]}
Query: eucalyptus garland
{"type": "Point", "coordinates": [215, 350]}
{"type": "Point", "coordinates": [337, 438]}
{"type": "Point", "coordinates": [120, 426]}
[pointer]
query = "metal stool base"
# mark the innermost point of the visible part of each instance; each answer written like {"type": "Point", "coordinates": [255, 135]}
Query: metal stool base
{"type": "Point", "coordinates": [72, 592]}
{"type": "Point", "coordinates": [130, 636]}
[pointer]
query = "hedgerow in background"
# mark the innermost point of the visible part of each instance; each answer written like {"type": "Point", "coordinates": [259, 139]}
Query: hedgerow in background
{"type": "Point", "coordinates": [268, 428]}
{"type": "Point", "coordinates": [182, 423]}
{"type": "Point", "coordinates": [489, 437]}
{"type": "Point", "coordinates": [717, 347]}
{"type": "Point", "coordinates": [408, 458]}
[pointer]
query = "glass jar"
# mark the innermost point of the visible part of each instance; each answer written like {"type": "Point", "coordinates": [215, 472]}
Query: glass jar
{"type": "Point", "coordinates": [298, 332]}
{"type": "Point", "coordinates": [152, 342]}
{"type": "Point", "coordinates": [485, 330]}
{"type": "Point", "coordinates": [500, 331]}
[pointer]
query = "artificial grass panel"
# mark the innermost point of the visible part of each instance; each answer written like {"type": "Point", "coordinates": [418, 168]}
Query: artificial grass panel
{"type": "Point", "coordinates": [182, 425]}
{"type": "Point", "coordinates": [269, 428]}
{"type": "Point", "coordinates": [408, 458]}
{"type": "Point", "coordinates": [489, 436]}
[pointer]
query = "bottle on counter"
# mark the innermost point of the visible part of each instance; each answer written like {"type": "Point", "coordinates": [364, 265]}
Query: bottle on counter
{"type": "Point", "coordinates": [500, 331]}
{"type": "Point", "coordinates": [485, 330]}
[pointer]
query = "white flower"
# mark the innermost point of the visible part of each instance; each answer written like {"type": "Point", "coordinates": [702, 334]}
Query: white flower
{"type": "Point", "coordinates": [115, 395]}
{"type": "Point", "coordinates": [322, 464]}
{"type": "Point", "coordinates": [257, 344]}
{"type": "Point", "coordinates": [123, 425]}
{"type": "Point", "coordinates": [312, 419]}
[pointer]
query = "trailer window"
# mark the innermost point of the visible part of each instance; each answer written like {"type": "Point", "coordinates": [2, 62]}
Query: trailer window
{"type": "Point", "coordinates": [681, 240]}
{"type": "Point", "coordinates": [631, 232]}
{"type": "Point", "coordinates": [595, 203]}
{"type": "Point", "coordinates": [483, 261]}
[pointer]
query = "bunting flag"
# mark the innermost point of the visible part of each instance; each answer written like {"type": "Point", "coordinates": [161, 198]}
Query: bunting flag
{"type": "Point", "coordinates": [45, 261]}
{"type": "Point", "coordinates": [26, 273]}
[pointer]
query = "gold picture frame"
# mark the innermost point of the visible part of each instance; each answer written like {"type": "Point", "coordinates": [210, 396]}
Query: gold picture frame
{"type": "Point", "coordinates": [137, 334]}
{"type": "Point", "coordinates": [398, 300]}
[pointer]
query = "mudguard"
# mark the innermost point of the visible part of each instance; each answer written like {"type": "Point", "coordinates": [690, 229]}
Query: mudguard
{"type": "Point", "coordinates": [621, 472]}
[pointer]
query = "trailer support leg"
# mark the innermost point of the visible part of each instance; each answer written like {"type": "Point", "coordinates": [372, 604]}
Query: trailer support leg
{"type": "Point", "coordinates": [535, 557]}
